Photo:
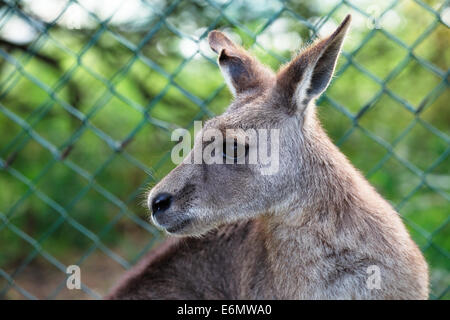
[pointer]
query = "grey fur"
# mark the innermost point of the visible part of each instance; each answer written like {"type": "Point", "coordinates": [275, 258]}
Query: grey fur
{"type": "Point", "coordinates": [308, 232]}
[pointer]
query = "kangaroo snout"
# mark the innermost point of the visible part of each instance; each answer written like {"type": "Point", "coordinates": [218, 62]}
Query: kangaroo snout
{"type": "Point", "coordinates": [160, 203]}
{"type": "Point", "coordinates": [169, 207]}
{"type": "Point", "coordinates": [163, 217]}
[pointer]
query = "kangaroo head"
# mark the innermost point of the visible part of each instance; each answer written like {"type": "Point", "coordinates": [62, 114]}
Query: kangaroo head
{"type": "Point", "coordinates": [274, 110]}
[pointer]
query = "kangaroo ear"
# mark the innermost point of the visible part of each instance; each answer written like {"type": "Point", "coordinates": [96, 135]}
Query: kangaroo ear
{"type": "Point", "coordinates": [241, 71]}
{"type": "Point", "coordinates": [309, 74]}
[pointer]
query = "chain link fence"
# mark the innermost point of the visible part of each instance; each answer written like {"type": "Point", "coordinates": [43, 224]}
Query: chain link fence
{"type": "Point", "coordinates": [91, 90]}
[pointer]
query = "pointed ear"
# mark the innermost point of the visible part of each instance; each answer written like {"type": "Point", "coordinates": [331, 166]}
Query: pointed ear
{"type": "Point", "coordinates": [241, 71]}
{"type": "Point", "coordinates": [309, 74]}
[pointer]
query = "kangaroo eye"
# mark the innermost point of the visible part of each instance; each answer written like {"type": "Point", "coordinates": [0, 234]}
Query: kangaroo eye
{"type": "Point", "coordinates": [233, 152]}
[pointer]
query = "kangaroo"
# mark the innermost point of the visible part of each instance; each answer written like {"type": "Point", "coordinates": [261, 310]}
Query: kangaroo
{"type": "Point", "coordinates": [316, 229]}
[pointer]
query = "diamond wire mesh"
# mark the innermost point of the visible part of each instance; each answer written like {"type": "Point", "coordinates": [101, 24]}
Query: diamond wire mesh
{"type": "Point", "coordinates": [55, 43]}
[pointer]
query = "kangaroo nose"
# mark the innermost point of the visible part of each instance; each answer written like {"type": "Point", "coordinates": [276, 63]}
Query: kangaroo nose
{"type": "Point", "coordinates": [161, 203]}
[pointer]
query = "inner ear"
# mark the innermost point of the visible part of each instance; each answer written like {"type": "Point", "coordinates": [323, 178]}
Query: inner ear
{"type": "Point", "coordinates": [309, 74]}
{"type": "Point", "coordinates": [242, 72]}
{"type": "Point", "coordinates": [235, 71]}
{"type": "Point", "coordinates": [323, 70]}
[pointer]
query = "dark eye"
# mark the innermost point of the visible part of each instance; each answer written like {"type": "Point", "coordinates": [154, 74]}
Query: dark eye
{"type": "Point", "coordinates": [231, 151]}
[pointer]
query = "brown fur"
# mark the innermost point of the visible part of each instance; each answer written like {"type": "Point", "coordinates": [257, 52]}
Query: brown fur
{"type": "Point", "coordinates": [308, 232]}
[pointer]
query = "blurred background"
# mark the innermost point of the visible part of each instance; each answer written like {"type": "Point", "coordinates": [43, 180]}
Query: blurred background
{"type": "Point", "coordinates": [90, 92]}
